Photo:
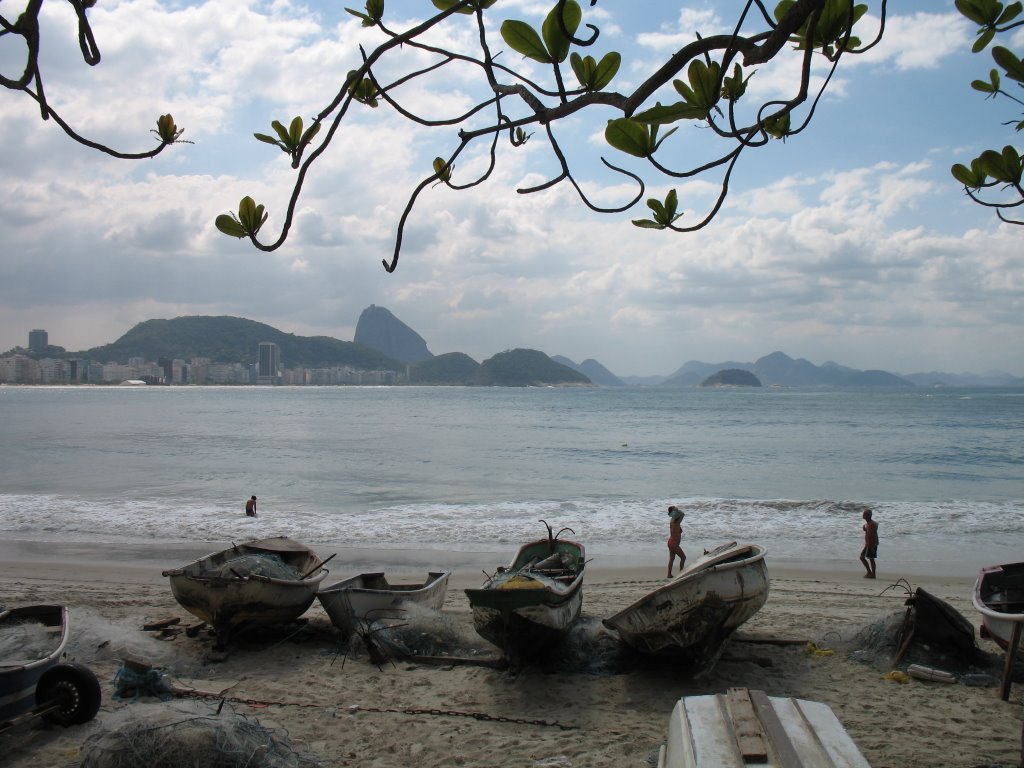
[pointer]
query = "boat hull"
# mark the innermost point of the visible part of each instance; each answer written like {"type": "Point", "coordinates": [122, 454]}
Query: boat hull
{"type": "Point", "coordinates": [19, 677]}
{"type": "Point", "coordinates": [999, 598]}
{"type": "Point", "coordinates": [693, 615]}
{"type": "Point", "coordinates": [370, 596]}
{"type": "Point", "coordinates": [227, 601]}
{"type": "Point", "coordinates": [530, 604]}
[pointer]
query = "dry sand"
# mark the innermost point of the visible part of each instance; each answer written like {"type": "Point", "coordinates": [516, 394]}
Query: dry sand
{"type": "Point", "coordinates": [348, 712]}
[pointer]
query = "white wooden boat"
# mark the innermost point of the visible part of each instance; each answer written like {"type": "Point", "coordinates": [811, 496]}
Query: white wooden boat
{"type": "Point", "coordinates": [743, 728]}
{"type": "Point", "coordinates": [531, 603]}
{"type": "Point", "coordinates": [264, 581]}
{"type": "Point", "coordinates": [999, 598]}
{"type": "Point", "coordinates": [366, 597]}
{"type": "Point", "coordinates": [691, 616]}
{"type": "Point", "coordinates": [34, 682]}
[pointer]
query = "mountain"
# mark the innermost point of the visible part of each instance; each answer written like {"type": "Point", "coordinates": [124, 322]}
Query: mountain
{"type": "Point", "coordinates": [234, 340]}
{"type": "Point", "coordinates": [593, 370]}
{"type": "Point", "coordinates": [778, 369]}
{"type": "Point", "coordinates": [526, 368]}
{"type": "Point", "coordinates": [452, 368]}
{"type": "Point", "coordinates": [379, 329]}
{"type": "Point", "coordinates": [731, 377]}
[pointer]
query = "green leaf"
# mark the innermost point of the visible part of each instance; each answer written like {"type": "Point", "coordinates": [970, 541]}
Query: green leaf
{"type": "Point", "coordinates": [1012, 11]}
{"type": "Point", "coordinates": [556, 41]}
{"type": "Point", "coordinates": [647, 224]}
{"type": "Point", "coordinates": [444, 5]}
{"type": "Point", "coordinates": [295, 132]}
{"type": "Point", "coordinates": [662, 115]}
{"type": "Point", "coordinates": [583, 68]}
{"type": "Point", "coordinates": [312, 131]}
{"type": "Point", "coordinates": [606, 70]}
{"type": "Point", "coordinates": [277, 126]}
{"type": "Point", "coordinates": [983, 39]}
{"type": "Point", "coordinates": [523, 38]}
{"type": "Point", "coordinates": [1002, 166]}
{"type": "Point", "coordinates": [629, 136]}
{"type": "Point", "coordinates": [442, 169]}
{"type": "Point", "coordinates": [229, 226]}
{"type": "Point", "coordinates": [981, 12]}
{"type": "Point", "coordinates": [972, 178]}
{"type": "Point", "coordinates": [267, 139]}
{"type": "Point", "coordinates": [1008, 60]}
{"type": "Point", "coordinates": [734, 87]}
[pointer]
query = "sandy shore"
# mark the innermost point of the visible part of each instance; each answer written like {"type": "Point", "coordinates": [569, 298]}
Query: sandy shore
{"type": "Point", "coordinates": [345, 711]}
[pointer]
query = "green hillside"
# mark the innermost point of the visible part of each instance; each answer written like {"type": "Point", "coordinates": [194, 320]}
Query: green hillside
{"type": "Point", "coordinates": [732, 377]}
{"type": "Point", "coordinates": [526, 368]}
{"type": "Point", "coordinates": [451, 368]}
{"type": "Point", "coordinates": [234, 340]}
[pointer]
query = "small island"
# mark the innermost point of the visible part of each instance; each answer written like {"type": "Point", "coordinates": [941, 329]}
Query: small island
{"type": "Point", "coordinates": [731, 377]}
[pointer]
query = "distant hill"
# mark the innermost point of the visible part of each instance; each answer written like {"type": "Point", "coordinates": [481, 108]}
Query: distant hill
{"type": "Point", "coordinates": [593, 370]}
{"type": "Point", "coordinates": [526, 368]}
{"type": "Point", "coordinates": [234, 340]}
{"type": "Point", "coordinates": [731, 377]}
{"type": "Point", "coordinates": [451, 368]}
{"type": "Point", "coordinates": [778, 369]}
{"type": "Point", "coordinates": [379, 329]}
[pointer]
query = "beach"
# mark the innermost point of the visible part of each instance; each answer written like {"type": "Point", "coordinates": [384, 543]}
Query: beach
{"type": "Point", "coordinates": [339, 708]}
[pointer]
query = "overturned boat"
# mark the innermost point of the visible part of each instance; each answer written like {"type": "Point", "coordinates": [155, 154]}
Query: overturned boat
{"type": "Point", "coordinates": [529, 604]}
{"type": "Point", "coordinates": [367, 597]}
{"type": "Point", "coordinates": [264, 581]}
{"type": "Point", "coordinates": [691, 616]}
{"type": "Point", "coordinates": [999, 598]}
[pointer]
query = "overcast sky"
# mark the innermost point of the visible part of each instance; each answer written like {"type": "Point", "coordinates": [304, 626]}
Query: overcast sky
{"type": "Point", "coordinates": [850, 242]}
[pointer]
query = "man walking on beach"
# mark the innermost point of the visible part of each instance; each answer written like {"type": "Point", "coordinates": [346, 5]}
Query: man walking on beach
{"type": "Point", "coordinates": [675, 535]}
{"type": "Point", "coordinates": [870, 551]}
{"type": "Point", "coordinates": [250, 507]}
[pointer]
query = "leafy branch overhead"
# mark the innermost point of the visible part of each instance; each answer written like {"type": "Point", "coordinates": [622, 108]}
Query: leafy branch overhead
{"type": "Point", "coordinates": [533, 79]}
{"type": "Point", "coordinates": [996, 171]}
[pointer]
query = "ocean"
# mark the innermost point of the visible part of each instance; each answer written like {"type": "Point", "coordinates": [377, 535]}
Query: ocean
{"type": "Point", "coordinates": [450, 470]}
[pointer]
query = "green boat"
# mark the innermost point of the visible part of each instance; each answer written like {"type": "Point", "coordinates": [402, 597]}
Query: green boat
{"type": "Point", "coordinates": [531, 603]}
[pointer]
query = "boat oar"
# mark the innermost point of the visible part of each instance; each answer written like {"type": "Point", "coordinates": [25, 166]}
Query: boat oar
{"type": "Point", "coordinates": [319, 565]}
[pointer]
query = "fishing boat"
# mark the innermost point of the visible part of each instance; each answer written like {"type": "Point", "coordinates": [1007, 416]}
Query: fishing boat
{"type": "Point", "coordinates": [691, 616]}
{"type": "Point", "coordinates": [745, 727]}
{"type": "Point", "coordinates": [530, 603]}
{"type": "Point", "coordinates": [367, 597]}
{"type": "Point", "coordinates": [264, 581]}
{"type": "Point", "coordinates": [34, 682]}
{"type": "Point", "coordinates": [999, 598]}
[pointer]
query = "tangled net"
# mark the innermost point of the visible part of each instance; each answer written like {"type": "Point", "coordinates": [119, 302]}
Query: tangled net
{"type": "Point", "coordinates": [181, 738]}
{"type": "Point", "coordinates": [264, 564]}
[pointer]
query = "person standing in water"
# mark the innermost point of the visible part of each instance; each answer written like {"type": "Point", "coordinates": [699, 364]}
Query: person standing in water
{"type": "Point", "coordinates": [870, 551]}
{"type": "Point", "coordinates": [250, 507]}
{"type": "Point", "coordinates": [675, 536]}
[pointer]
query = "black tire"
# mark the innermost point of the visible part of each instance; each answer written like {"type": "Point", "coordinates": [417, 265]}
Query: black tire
{"type": "Point", "coordinates": [76, 689]}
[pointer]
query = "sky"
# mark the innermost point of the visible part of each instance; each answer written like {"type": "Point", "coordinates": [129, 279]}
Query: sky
{"type": "Point", "coordinates": [849, 242]}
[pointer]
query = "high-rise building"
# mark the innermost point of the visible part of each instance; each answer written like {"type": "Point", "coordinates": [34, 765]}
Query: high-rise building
{"type": "Point", "coordinates": [268, 364]}
{"type": "Point", "coordinates": [38, 340]}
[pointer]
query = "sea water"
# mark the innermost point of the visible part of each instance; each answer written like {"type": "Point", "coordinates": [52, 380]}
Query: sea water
{"type": "Point", "coordinates": [452, 469]}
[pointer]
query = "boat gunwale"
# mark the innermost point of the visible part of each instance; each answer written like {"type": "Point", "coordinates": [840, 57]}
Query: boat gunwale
{"type": "Point", "coordinates": [17, 666]}
{"type": "Point", "coordinates": [979, 603]}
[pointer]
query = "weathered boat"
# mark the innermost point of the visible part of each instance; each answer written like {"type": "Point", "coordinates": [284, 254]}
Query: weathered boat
{"type": "Point", "coordinates": [34, 682]}
{"type": "Point", "coordinates": [999, 598]}
{"type": "Point", "coordinates": [264, 581]}
{"type": "Point", "coordinates": [744, 727]}
{"type": "Point", "coordinates": [366, 597]}
{"type": "Point", "coordinates": [691, 616]}
{"type": "Point", "coordinates": [526, 606]}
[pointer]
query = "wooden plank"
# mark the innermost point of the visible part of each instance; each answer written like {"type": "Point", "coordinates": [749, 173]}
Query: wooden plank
{"type": "Point", "coordinates": [783, 749]}
{"type": "Point", "coordinates": [1011, 652]}
{"type": "Point", "coordinates": [746, 727]}
{"type": "Point", "coordinates": [162, 623]}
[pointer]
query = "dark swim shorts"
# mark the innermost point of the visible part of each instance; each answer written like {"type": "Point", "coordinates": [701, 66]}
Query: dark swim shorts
{"type": "Point", "coordinates": [870, 553]}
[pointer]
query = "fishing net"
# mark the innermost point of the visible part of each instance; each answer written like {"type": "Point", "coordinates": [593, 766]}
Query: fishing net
{"type": "Point", "coordinates": [260, 564]}
{"type": "Point", "coordinates": [27, 639]}
{"type": "Point", "coordinates": [413, 630]}
{"type": "Point", "coordinates": [184, 736]}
